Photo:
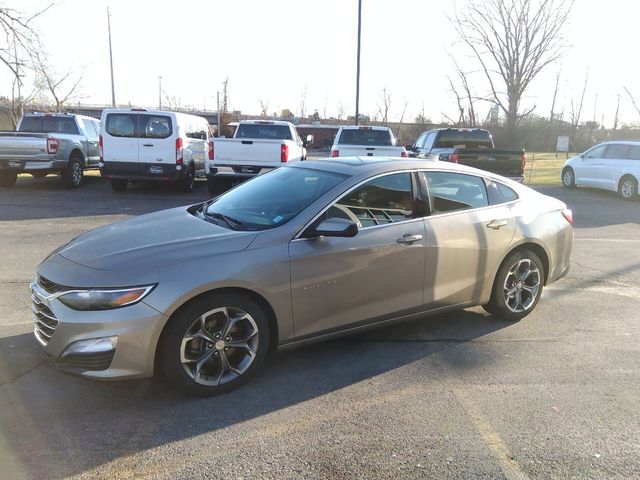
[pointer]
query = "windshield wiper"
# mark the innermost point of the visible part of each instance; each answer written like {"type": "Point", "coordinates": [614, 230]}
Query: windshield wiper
{"type": "Point", "coordinates": [230, 221]}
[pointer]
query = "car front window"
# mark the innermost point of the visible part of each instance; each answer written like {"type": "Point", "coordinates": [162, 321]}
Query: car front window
{"type": "Point", "coordinates": [270, 200]}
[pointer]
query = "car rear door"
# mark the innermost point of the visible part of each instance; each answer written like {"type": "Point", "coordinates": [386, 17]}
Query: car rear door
{"type": "Point", "coordinates": [340, 282]}
{"type": "Point", "coordinates": [91, 134]}
{"type": "Point", "coordinates": [466, 237]}
{"type": "Point", "coordinates": [157, 144]}
{"type": "Point", "coordinates": [606, 171]}
{"type": "Point", "coordinates": [120, 143]}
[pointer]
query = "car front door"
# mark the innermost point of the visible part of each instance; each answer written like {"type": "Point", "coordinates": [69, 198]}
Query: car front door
{"type": "Point", "coordinates": [585, 168]}
{"type": "Point", "coordinates": [378, 273]}
{"type": "Point", "coordinates": [466, 237]}
{"type": "Point", "coordinates": [157, 145]}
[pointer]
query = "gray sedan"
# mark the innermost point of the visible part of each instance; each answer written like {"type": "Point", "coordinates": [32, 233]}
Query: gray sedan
{"type": "Point", "coordinates": [304, 253]}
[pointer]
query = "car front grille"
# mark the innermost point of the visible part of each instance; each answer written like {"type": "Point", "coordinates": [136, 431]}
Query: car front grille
{"type": "Point", "coordinates": [45, 320]}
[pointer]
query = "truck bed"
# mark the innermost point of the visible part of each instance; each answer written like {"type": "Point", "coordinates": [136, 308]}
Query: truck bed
{"type": "Point", "coordinates": [23, 146]}
{"type": "Point", "coordinates": [373, 151]}
{"type": "Point", "coordinates": [246, 152]}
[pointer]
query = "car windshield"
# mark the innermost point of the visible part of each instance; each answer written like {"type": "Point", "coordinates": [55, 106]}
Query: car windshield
{"type": "Point", "coordinates": [366, 136]}
{"type": "Point", "coordinates": [270, 200]}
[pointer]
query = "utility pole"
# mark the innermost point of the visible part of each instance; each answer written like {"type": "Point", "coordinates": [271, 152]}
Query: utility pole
{"type": "Point", "coordinates": [218, 114]}
{"type": "Point", "coordinates": [113, 91]}
{"type": "Point", "coordinates": [358, 63]}
{"type": "Point", "coordinates": [18, 80]}
{"type": "Point", "coordinates": [159, 92]}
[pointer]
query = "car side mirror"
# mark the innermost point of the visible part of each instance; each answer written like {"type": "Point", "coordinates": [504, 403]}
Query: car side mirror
{"type": "Point", "coordinates": [333, 227]}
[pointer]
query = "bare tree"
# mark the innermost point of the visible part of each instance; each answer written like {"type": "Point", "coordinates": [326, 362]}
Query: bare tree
{"type": "Point", "coordinates": [303, 102]}
{"type": "Point", "coordinates": [616, 118]}
{"type": "Point", "coordinates": [633, 100]}
{"type": "Point", "coordinates": [264, 107]}
{"type": "Point", "coordinates": [576, 107]}
{"type": "Point", "coordinates": [512, 40]}
{"type": "Point", "coordinates": [405, 104]}
{"type": "Point", "coordinates": [555, 96]}
{"type": "Point", "coordinates": [384, 105]}
{"type": "Point", "coordinates": [62, 87]}
{"type": "Point", "coordinates": [341, 110]}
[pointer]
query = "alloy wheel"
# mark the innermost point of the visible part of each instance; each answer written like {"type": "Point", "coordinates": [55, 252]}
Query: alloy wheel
{"type": "Point", "coordinates": [219, 346]}
{"type": "Point", "coordinates": [521, 286]}
{"type": "Point", "coordinates": [567, 178]}
{"type": "Point", "coordinates": [628, 188]}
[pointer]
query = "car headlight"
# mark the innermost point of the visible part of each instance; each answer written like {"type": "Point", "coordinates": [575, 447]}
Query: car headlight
{"type": "Point", "coordinates": [104, 298]}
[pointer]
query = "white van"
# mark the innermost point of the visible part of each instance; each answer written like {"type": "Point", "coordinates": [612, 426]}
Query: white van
{"type": "Point", "coordinates": [138, 144]}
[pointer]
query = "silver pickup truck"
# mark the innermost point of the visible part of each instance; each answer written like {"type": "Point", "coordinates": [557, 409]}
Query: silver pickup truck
{"type": "Point", "coordinates": [50, 143]}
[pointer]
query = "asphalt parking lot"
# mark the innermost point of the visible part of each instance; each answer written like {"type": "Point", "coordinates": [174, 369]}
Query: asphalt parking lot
{"type": "Point", "coordinates": [461, 395]}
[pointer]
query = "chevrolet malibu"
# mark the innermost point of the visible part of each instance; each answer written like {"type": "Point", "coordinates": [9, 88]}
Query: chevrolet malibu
{"type": "Point", "coordinates": [304, 253]}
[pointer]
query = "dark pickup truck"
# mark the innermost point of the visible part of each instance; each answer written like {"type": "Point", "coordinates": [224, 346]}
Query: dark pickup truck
{"type": "Point", "coordinates": [469, 146]}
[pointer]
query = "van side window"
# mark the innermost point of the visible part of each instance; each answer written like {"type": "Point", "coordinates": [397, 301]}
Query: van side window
{"type": "Point", "coordinates": [195, 130]}
{"type": "Point", "coordinates": [155, 126]}
{"type": "Point", "coordinates": [121, 124]}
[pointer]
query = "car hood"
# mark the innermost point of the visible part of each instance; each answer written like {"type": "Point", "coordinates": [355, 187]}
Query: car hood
{"type": "Point", "coordinates": [154, 240]}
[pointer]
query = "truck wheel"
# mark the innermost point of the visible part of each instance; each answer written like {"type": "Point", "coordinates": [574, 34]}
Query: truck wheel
{"type": "Point", "coordinates": [8, 179]}
{"type": "Point", "coordinates": [217, 185]}
{"type": "Point", "coordinates": [72, 175]}
{"type": "Point", "coordinates": [119, 184]}
{"type": "Point", "coordinates": [186, 184]}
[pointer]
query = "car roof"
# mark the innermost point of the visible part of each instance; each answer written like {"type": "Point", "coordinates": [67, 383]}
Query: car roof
{"type": "Point", "coordinates": [623, 142]}
{"type": "Point", "coordinates": [364, 127]}
{"type": "Point", "coordinates": [264, 122]}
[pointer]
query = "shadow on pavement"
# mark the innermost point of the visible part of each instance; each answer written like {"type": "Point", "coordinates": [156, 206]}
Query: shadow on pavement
{"type": "Point", "coordinates": [54, 425]}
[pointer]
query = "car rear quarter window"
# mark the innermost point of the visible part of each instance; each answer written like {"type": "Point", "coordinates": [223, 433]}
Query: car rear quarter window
{"type": "Point", "coordinates": [155, 126]}
{"type": "Point", "coordinates": [383, 200]}
{"type": "Point", "coordinates": [121, 124]}
{"type": "Point", "coordinates": [633, 153]}
{"type": "Point", "coordinates": [450, 192]}
{"type": "Point", "coordinates": [367, 137]}
{"type": "Point", "coordinates": [499, 193]}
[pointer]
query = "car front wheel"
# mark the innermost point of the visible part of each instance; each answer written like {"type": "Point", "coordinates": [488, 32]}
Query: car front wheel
{"type": "Point", "coordinates": [215, 343]}
{"type": "Point", "coordinates": [517, 287]}
{"type": "Point", "coordinates": [568, 177]}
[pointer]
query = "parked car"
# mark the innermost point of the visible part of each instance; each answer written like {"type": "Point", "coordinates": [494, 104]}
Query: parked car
{"type": "Point", "coordinates": [257, 146]}
{"type": "Point", "coordinates": [366, 141]}
{"type": "Point", "coordinates": [613, 166]}
{"type": "Point", "coordinates": [152, 145]}
{"type": "Point", "coordinates": [304, 253]}
{"type": "Point", "coordinates": [470, 146]}
{"type": "Point", "coordinates": [47, 143]}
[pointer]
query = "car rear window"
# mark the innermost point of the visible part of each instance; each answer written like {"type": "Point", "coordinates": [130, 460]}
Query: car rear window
{"type": "Point", "coordinates": [49, 124]}
{"type": "Point", "coordinates": [121, 124]}
{"type": "Point", "coordinates": [463, 139]}
{"type": "Point", "coordinates": [260, 131]}
{"type": "Point", "coordinates": [155, 126]}
{"type": "Point", "coordinates": [368, 137]}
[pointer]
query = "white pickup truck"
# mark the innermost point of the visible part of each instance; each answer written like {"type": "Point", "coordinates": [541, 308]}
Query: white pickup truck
{"type": "Point", "coordinates": [366, 141]}
{"type": "Point", "coordinates": [257, 146]}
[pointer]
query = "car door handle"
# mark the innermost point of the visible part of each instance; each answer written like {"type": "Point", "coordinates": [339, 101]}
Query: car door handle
{"type": "Point", "coordinates": [408, 238]}
{"type": "Point", "coordinates": [147, 144]}
{"type": "Point", "coordinates": [497, 224]}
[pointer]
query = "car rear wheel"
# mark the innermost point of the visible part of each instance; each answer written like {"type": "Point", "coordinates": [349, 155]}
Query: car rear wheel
{"type": "Point", "coordinates": [215, 344]}
{"type": "Point", "coordinates": [628, 187]}
{"type": "Point", "coordinates": [568, 177]}
{"type": "Point", "coordinates": [517, 287]}
{"type": "Point", "coordinates": [72, 175]}
{"type": "Point", "coordinates": [119, 184]}
{"type": "Point", "coordinates": [8, 179]}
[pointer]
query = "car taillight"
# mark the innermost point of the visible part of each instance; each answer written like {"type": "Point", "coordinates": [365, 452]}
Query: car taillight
{"type": "Point", "coordinates": [335, 153]}
{"type": "Point", "coordinates": [179, 157]}
{"type": "Point", "coordinates": [454, 157]}
{"type": "Point", "coordinates": [568, 215]}
{"type": "Point", "coordinates": [284, 153]}
{"type": "Point", "coordinates": [403, 154]}
{"type": "Point", "coordinates": [523, 161]}
{"type": "Point", "coordinates": [211, 150]}
{"type": "Point", "coordinates": [101, 148]}
{"type": "Point", "coordinates": [52, 145]}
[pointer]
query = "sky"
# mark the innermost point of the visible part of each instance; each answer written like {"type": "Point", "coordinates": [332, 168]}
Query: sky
{"type": "Point", "coordinates": [276, 50]}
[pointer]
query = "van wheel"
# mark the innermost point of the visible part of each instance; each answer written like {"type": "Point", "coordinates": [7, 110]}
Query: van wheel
{"type": "Point", "coordinates": [215, 343]}
{"type": "Point", "coordinates": [119, 184]}
{"type": "Point", "coordinates": [72, 175]}
{"type": "Point", "coordinates": [8, 179]}
{"type": "Point", "coordinates": [186, 184]}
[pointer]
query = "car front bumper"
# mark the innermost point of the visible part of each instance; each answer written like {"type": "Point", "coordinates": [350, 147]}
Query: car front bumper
{"type": "Point", "coordinates": [135, 328]}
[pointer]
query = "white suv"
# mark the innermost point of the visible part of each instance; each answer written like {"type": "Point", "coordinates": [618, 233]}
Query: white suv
{"type": "Point", "coordinates": [611, 166]}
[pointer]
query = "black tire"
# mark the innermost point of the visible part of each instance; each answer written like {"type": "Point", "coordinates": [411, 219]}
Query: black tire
{"type": "Point", "coordinates": [502, 303]}
{"type": "Point", "coordinates": [568, 177]}
{"type": "Point", "coordinates": [8, 179]}
{"type": "Point", "coordinates": [628, 187]}
{"type": "Point", "coordinates": [185, 185]}
{"type": "Point", "coordinates": [73, 175]}
{"type": "Point", "coordinates": [218, 185]}
{"type": "Point", "coordinates": [208, 357]}
{"type": "Point", "coordinates": [119, 184]}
